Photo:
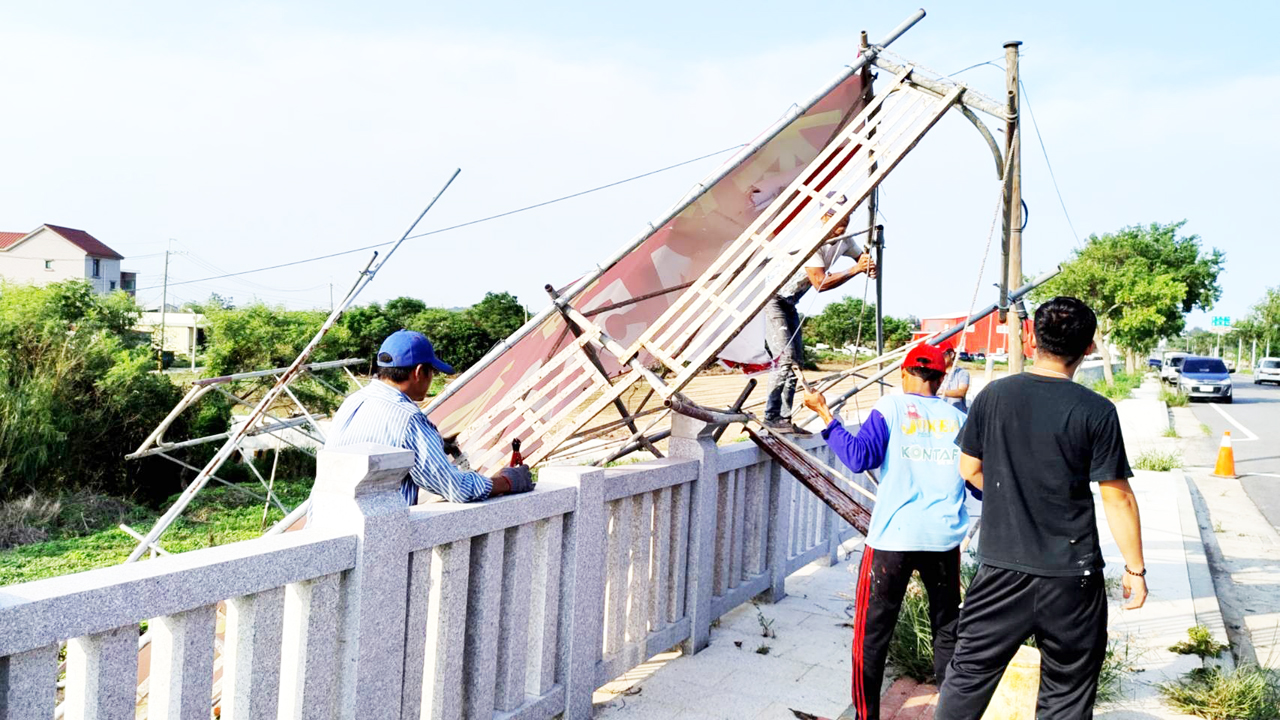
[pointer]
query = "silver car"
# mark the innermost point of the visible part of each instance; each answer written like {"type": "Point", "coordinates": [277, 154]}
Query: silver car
{"type": "Point", "coordinates": [1268, 371]}
{"type": "Point", "coordinates": [1207, 378]}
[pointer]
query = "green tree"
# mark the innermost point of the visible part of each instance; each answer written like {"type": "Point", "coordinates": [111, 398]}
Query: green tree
{"type": "Point", "coordinates": [215, 302]}
{"type": "Point", "coordinates": [366, 327]}
{"type": "Point", "coordinates": [1265, 317]}
{"type": "Point", "coordinates": [1141, 281]}
{"type": "Point", "coordinates": [399, 310]}
{"type": "Point", "coordinates": [457, 339]}
{"type": "Point", "coordinates": [258, 336]}
{"type": "Point", "coordinates": [498, 314]}
{"type": "Point", "coordinates": [838, 324]}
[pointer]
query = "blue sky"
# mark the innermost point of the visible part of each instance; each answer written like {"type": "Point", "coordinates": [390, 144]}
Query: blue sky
{"type": "Point", "coordinates": [259, 133]}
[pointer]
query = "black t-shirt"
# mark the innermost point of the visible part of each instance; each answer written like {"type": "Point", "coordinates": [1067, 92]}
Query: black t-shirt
{"type": "Point", "coordinates": [1042, 441]}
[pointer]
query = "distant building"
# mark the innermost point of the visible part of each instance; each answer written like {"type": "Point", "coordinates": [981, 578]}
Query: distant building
{"type": "Point", "coordinates": [987, 336]}
{"type": "Point", "coordinates": [183, 331]}
{"type": "Point", "coordinates": [51, 253]}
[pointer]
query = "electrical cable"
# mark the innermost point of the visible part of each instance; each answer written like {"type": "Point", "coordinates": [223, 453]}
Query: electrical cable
{"type": "Point", "coordinates": [208, 266]}
{"type": "Point", "coordinates": [1052, 177]}
{"type": "Point", "coordinates": [465, 224]}
{"type": "Point", "coordinates": [1039, 138]}
{"type": "Point", "coordinates": [990, 62]}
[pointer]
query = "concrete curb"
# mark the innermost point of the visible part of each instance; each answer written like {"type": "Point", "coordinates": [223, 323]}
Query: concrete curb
{"type": "Point", "coordinates": [1204, 596]}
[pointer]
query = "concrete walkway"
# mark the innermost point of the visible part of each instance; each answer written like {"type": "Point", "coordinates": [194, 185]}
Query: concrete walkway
{"type": "Point", "coordinates": [807, 665]}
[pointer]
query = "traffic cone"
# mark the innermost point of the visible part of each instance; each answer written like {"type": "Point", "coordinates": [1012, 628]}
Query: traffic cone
{"type": "Point", "coordinates": [1226, 465]}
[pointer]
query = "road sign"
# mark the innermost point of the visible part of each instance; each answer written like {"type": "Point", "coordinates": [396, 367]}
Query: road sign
{"type": "Point", "coordinates": [1223, 321]}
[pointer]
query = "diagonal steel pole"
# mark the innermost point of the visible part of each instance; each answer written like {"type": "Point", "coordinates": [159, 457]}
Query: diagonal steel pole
{"type": "Point", "coordinates": [256, 416]}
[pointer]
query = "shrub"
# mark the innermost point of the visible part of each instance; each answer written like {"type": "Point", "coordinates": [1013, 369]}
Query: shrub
{"type": "Point", "coordinates": [77, 392]}
{"type": "Point", "coordinates": [1248, 693]}
{"type": "Point", "coordinates": [1158, 461]}
{"type": "Point", "coordinates": [1173, 398]}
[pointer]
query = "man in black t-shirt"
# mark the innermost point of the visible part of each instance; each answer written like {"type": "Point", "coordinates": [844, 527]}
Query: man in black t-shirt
{"type": "Point", "coordinates": [1034, 443]}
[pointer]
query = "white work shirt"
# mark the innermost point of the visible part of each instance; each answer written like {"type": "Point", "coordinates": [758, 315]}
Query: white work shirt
{"type": "Point", "coordinates": [824, 259]}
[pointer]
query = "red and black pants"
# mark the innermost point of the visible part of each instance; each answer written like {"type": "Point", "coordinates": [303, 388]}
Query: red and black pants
{"type": "Point", "coordinates": [882, 583]}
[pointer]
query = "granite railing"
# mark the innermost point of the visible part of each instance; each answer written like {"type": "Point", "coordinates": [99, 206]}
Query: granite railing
{"type": "Point", "coordinates": [519, 607]}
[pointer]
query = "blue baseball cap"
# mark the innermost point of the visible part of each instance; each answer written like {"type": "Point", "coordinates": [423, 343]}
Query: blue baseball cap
{"type": "Point", "coordinates": [406, 348]}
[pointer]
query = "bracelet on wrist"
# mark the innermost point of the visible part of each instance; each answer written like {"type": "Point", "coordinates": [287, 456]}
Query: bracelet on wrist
{"type": "Point", "coordinates": [1136, 574]}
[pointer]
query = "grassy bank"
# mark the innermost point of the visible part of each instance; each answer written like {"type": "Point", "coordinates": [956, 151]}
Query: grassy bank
{"type": "Point", "coordinates": [81, 531]}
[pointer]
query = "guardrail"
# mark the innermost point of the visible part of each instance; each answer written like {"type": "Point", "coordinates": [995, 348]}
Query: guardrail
{"type": "Point", "coordinates": [519, 607]}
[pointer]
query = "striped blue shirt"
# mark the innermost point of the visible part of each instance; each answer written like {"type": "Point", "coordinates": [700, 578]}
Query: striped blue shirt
{"type": "Point", "coordinates": [379, 413]}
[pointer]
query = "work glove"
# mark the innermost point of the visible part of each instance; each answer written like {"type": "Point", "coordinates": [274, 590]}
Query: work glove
{"type": "Point", "coordinates": [520, 477]}
{"type": "Point", "coordinates": [455, 454]}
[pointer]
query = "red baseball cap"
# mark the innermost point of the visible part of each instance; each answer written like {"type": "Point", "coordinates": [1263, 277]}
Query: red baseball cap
{"type": "Point", "coordinates": [925, 356]}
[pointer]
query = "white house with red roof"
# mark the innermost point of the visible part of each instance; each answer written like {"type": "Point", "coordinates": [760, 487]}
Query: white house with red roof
{"type": "Point", "coordinates": [51, 253]}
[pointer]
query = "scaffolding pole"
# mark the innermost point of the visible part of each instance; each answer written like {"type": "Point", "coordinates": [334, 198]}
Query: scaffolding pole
{"type": "Point", "coordinates": [202, 478]}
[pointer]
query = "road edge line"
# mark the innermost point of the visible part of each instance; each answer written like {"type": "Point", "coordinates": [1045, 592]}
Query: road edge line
{"type": "Point", "coordinates": [1237, 424]}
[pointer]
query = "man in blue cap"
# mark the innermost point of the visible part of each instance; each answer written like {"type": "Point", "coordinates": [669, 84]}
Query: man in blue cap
{"type": "Point", "coordinates": [386, 412]}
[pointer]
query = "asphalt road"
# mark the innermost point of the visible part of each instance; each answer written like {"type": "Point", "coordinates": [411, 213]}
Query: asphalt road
{"type": "Point", "coordinates": [1254, 421]}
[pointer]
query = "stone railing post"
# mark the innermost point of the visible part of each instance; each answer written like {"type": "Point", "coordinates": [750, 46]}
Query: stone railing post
{"type": "Point", "coordinates": [581, 628]}
{"type": "Point", "coordinates": [833, 536]}
{"type": "Point", "coordinates": [779, 537]}
{"type": "Point", "coordinates": [691, 439]}
{"type": "Point", "coordinates": [357, 491]}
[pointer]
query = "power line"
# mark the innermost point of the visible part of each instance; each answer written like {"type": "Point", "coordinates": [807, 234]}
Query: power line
{"type": "Point", "coordinates": [460, 225]}
{"type": "Point", "coordinates": [208, 266]}
{"type": "Point", "coordinates": [1052, 177]}
{"type": "Point", "coordinates": [978, 65]}
{"type": "Point", "coordinates": [1039, 138]}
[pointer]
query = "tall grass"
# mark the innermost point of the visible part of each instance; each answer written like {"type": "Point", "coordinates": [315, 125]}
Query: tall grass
{"type": "Point", "coordinates": [1124, 384]}
{"type": "Point", "coordinates": [1173, 398]}
{"type": "Point", "coordinates": [1158, 460]}
{"type": "Point", "coordinates": [911, 646]}
{"type": "Point", "coordinates": [1246, 693]}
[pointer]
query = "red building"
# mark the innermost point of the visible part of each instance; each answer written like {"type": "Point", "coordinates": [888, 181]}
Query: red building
{"type": "Point", "coordinates": [985, 336]}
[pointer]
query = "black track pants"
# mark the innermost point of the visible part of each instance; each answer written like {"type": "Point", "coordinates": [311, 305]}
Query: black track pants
{"type": "Point", "coordinates": [1066, 615]}
{"type": "Point", "coordinates": [882, 581]}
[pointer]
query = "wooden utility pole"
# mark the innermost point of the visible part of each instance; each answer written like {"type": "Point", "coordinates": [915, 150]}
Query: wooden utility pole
{"type": "Point", "coordinates": [1013, 209]}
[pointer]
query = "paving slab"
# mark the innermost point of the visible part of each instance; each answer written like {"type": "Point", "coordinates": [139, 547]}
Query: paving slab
{"type": "Point", "coordinates": [807, 665]}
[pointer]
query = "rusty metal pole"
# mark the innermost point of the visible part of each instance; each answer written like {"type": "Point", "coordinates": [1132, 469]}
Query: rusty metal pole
{"type": "Point", "coordinates": [1013, 210]}
{"type": "Point", "coordinates": [875, 235]}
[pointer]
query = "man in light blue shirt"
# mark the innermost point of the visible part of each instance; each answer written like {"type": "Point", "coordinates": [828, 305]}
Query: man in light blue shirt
{"type": "Point", "coordinates": [386, 412]}
{"type": "Point", "coordinates": [919, 519]}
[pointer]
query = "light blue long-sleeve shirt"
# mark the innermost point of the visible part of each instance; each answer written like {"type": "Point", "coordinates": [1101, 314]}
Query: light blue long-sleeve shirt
{"type": "Point", "coordinates": [379, 413]}
{"type": "Point", "coordinates": [920, 499]}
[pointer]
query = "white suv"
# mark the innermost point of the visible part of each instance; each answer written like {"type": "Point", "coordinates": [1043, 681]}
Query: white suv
{"type": "Point", "coordinates": [1268, 370]}
{"type": "Point", "coordinates": [1172, 367]}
